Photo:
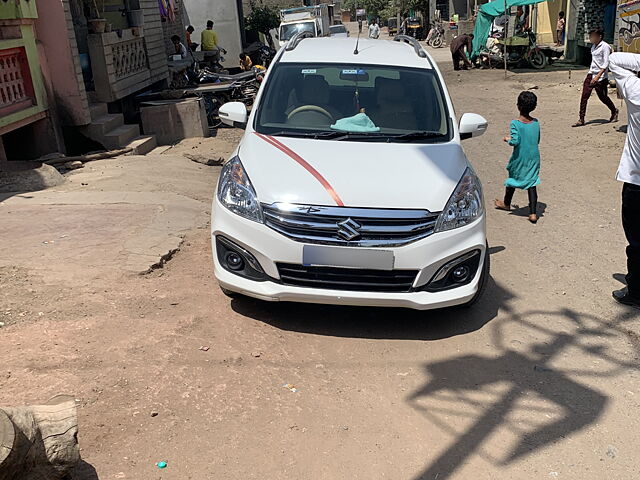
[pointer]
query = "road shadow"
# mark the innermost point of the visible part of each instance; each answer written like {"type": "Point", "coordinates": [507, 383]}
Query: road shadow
{"type": "Point", "coordinates": [84, 471]}
{"type": "Point", "coordinates": [519, 211]}
{"type": "Point", "coordinates": [620, 277]}
{"type": "Point", "coordinates": [522, 390]}
{"type": "Point", "coordinates": [597, 121]}
{"type": "Point", "coordinates": [376, 322]}
{"type": "Point", "coordinates": [622, 129]}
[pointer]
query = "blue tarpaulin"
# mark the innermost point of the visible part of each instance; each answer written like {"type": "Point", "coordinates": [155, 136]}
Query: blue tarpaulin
{"type": "Point", "coordinates": [486, 14]}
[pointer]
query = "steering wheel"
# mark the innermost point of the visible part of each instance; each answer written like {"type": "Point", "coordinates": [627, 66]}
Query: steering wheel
{"type": "Point", "coordinates": [310, 108]}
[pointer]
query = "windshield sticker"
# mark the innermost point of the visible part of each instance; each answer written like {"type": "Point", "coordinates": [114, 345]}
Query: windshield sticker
{"type": "Point", "coordinates": [353, 72]}
{"type": "Point", "coordinates": [309, 70]}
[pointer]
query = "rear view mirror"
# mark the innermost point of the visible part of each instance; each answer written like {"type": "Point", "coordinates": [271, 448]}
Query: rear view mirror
{"type": "Point", "coordinates": [233, 114]}
{"type": "Point", "coordinates": [472, 125]}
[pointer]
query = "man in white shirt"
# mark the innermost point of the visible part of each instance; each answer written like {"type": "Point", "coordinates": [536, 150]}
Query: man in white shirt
{"type": "Point", "coordinates": [374, 30]}
{"type": "Point", "coordinates": [597, 77]}
{"type": "Point", "coordinates": [624, 68]}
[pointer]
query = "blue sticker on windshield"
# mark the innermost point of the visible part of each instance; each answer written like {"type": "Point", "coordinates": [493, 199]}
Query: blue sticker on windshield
{"type": "Point", "coordinates": [353, 72]}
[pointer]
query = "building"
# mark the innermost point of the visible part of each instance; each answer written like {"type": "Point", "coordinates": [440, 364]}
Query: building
{"type": "Point", "coordinates": [24, 86]}
{"type": "Point", "coordinates": [73, 70]}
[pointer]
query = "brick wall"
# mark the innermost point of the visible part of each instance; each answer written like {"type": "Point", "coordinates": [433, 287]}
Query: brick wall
{"type": "Point", "coordinates": [178, 27]}
{"type": "Point", "coordinates": [589, 14]}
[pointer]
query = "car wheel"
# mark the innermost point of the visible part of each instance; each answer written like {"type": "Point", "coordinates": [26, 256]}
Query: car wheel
{"type": "Point", "coordinates": [484, 277]}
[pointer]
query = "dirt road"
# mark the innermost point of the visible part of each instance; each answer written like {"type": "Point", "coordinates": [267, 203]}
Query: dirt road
{"type": "Point", "coordinates": [540, 380]}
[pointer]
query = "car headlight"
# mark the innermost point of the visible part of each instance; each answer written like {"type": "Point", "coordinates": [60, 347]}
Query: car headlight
{"type": "Point", "coordinates": [465, 205]}
{"type": "Point", "coordinates": [236, 192]}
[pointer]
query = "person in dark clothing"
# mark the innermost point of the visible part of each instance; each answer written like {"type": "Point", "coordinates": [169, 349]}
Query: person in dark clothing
{"type": "Point", "coordinates": [359, 25]}
{"type": "Point", "coordinates": [624, 68]}
{"type": "Point", "coordinates": [458, 54]}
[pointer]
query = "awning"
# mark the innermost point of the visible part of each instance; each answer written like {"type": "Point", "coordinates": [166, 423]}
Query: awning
{"type": "Point", "coordinates": [486, 14]}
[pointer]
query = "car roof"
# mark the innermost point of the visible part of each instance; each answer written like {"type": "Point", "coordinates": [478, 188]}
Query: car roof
{"type": "Point", "coordinates": [370, 52]}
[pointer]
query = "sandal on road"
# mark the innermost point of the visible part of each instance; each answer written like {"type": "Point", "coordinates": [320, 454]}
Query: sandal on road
{"type": "Point", "coordinates": [533, 218]}
{"type": "Point", "coordinates": [579, 123]}
{"type": "Point", "coordinates": [500, 205]}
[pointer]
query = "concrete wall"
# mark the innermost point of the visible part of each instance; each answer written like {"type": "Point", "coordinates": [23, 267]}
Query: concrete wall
{"type": "Point", "coordinates": [547, 19]}
{"type": "Point", "coordinates": [61, 53]}
{"type": "Point", "coordinates": [226, 17]}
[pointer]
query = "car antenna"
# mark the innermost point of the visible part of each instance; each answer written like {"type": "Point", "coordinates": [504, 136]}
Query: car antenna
{"type": "Point", "coordinates": [355, 52]}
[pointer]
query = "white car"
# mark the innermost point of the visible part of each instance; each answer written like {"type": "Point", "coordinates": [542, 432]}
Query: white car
{"type": "Point", "coordinates": [338, 31]}
{"type": "Point", "coordinates": [350, 185]}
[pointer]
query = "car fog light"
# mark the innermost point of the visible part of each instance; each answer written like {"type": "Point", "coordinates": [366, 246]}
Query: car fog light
{"type": "Point", "coordinates": [234, 261]}
{"type": "Point", "coordinates": [460, 274]}
{"type": "Point", "coordinates": [238, 260]}
{"type": "Point", "coordinates": [455, 273]}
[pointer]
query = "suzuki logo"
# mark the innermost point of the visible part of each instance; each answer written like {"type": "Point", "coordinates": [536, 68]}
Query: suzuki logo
{"type": "Point", "coordinates": [349, 229]}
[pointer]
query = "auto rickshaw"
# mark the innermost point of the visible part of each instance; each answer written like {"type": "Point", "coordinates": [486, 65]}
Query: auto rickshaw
{"type": "Point", "coordinates": [415, 28]}
{"type": "Point", "coordinates": [392, 26]}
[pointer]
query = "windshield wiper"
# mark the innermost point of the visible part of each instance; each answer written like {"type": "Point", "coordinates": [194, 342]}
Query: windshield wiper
{"type": "Point", "coordinates": [418, 135]}
{"type": "Point", "coordinates": [292, 133]}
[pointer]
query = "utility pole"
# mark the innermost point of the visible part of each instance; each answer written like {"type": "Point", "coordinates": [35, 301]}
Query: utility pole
{"type": "Point", "coordinates": [506, 32]}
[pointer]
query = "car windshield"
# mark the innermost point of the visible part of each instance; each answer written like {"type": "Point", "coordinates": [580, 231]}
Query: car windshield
{"type": "Point", "coordinates": [290, 29]}
{"type": "Point", "coordinates": [359, 102]}
{"type": "Point", "coordinates": [338, 29]}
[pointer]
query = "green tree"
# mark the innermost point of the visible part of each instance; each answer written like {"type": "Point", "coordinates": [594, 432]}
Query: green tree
{"type": "Point", "coordinates": [263, 18]}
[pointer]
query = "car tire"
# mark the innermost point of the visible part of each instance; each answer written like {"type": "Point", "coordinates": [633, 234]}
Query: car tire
{"type": "Point", "coordinates": [484, 277]}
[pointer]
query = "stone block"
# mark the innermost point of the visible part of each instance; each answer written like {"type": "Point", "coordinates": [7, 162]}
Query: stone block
{"type": "Point", "coordinates": [174, 120]}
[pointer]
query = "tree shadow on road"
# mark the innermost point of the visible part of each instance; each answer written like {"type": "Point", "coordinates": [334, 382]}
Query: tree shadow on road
{"type": "Point", "coordinates": [376, 322]}
{"type": "Point", "coordinates": [522, 390]}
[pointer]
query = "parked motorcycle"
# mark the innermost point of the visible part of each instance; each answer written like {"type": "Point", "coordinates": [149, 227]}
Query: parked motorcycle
{"type": "Point", "coordinates": [260, 53]}
{"type": "Point", "coordinates": [435, 38]}
{"type": "Point", "coordinates": [521, 50]}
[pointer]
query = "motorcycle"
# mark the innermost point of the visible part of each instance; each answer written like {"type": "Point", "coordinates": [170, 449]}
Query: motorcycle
{"type": "Point", "coordinates": [260, 54]}
{"type": "Point", "coordinates": [522, 50]}
{"type": "Point", "coordinates": [435, 38]}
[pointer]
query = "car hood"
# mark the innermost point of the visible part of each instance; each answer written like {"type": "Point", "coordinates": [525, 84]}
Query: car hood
{"type": "Point", "coordinates": [359, 174]}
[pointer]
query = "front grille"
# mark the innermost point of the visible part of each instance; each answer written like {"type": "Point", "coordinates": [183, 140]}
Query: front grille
{"type": "Point", "coordinates": [352, 279]}
{"type": "Point", "coordinates": [358, 227]}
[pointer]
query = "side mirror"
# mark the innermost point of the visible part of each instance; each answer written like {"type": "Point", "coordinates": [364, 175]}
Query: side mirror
{"type": "Point", "coordinates": [472, 125]}
{"type": "Point", "coordinates": [233, 114]}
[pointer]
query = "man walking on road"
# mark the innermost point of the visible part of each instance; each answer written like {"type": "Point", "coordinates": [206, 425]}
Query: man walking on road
{"type": "Point", "coordinates": [623, 67]}
{"type": "Point", "coordinates": [458, 54]}
{"type": "Point", "coordinates": [597, 77]}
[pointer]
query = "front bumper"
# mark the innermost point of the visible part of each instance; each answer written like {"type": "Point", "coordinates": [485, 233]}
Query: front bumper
{"type": "Point", "coordinates": [269, 247]}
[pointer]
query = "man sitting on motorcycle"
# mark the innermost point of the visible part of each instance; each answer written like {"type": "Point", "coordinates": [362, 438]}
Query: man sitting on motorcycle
{"type": "Point", "coordinates": [209, 45]}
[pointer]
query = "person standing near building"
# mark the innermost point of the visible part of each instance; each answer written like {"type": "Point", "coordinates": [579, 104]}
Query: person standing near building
{"type": "Point", "coordinates": [190, 44]}
{"type": "Point", "coordinates": [458, 54]}
{"type": "Point", "coordinates": [624, 68]}
{"type": "Point", "coordinates": [597, 77]}
{"type": "Point", "coordinates": [209, 45]}
{"type": "Point", "coordinates": [208, 38]}
{"type": "Point", "coordinates": [560, 26]}
{"type": "Point", "coordinates": [359, 25]}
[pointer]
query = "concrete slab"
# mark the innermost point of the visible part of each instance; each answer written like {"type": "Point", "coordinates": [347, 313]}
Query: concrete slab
{"type": "Point", "coordinates": [113, 216]}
